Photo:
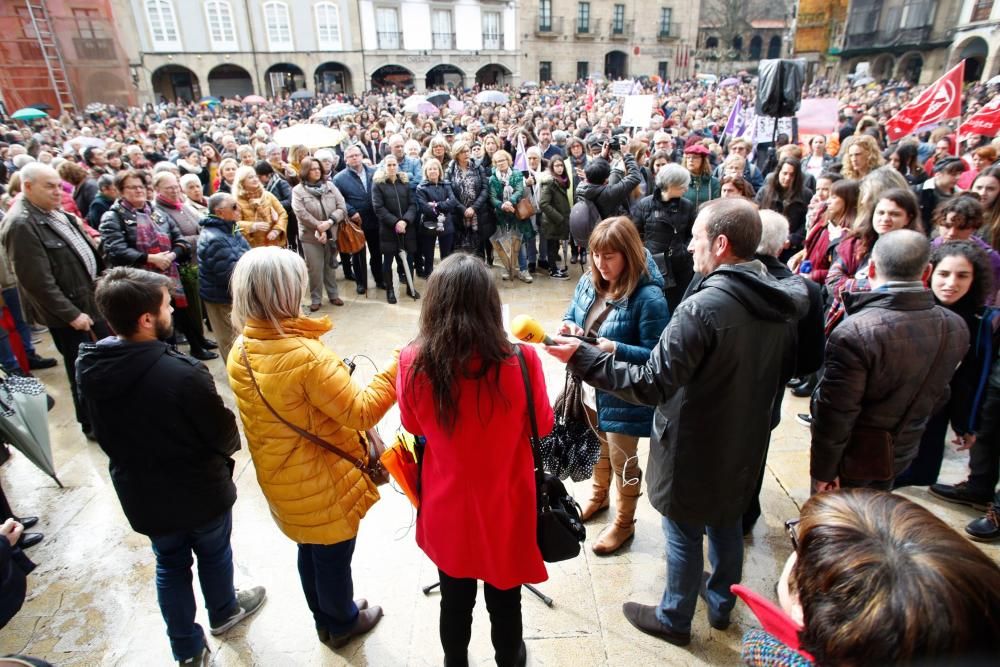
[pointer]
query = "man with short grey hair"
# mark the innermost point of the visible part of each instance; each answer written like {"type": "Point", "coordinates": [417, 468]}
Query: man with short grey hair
{"type": "Point", "coordinates": [888, 366]}
{"type": "Point", "coordinates": [410, 165]}
{"type": "Point", "coordinates": [56, 266]}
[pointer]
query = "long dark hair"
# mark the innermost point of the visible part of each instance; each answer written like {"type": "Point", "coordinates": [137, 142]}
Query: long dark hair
{"type": "Point", "coordinates": [864, 228]}
{"type": "Point", "coordinates": [991, 215]}
{"type": "Point", "coordinates": [773, 192]}
{"type": "Point", "coordinates": [461, 320]}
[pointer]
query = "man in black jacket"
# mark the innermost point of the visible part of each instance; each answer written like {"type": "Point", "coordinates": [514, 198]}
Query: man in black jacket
{"type": "Point", "coordinates": [888, 366]}
{"type": "Point", "coordinates": [713, 378]}
{"type": "Point", "coordinates": [170, 440]}
{"type": "Point", "coordinates": [610, 199]}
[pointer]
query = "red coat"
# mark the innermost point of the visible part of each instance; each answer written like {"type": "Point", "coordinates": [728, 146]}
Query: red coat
{"type": "Point", "coordinates": [477, 516]}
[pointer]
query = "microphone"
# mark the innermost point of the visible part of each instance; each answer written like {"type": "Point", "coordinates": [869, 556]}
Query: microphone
{"type": "Point", "coordinates": [527, 329]}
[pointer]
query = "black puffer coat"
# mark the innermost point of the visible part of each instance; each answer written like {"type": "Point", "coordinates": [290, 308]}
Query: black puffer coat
{"type": "Point", "coordinates": [439, 193]}
{"type": "Point", "coordinates": [728, 350]}
{"type": "Point", "coordinates": [118, 228]}
{"type": "Point", "coordinates": [665, 229]}
{"type": "Point", "coordinates": [394, 202]}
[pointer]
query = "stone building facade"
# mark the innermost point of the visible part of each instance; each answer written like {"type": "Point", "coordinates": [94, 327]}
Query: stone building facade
{"type": "Point", "coordinates": [568, 40]}
{"type": "Point", "coordinates": [193, 48]}
{"type": "Point", "coordinates": [977, 39]}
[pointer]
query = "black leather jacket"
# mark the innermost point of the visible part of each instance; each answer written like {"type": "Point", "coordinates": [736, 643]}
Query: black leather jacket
{"type": "Point", "coordinates": [728, 350]}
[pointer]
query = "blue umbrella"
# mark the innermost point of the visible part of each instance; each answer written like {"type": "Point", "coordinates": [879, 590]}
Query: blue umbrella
{"type": "Point", "coordinates": [337, 110]}
{"type": "Point", "coordinates": [28, 113]}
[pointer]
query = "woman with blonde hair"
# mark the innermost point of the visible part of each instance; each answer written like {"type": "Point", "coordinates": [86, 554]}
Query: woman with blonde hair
{"type": "Point", "coordinates": [263, 219]}
{"type": "Point", "coordinates": [227, 176]}
{"type": "Point", "coordinates": [861, 156]}
{"type": "Point", "coordinates": [620, 302]}
{"type": "Point", "coordinates": [436, 208]}
{"type": "Point", "coordinates": [319, 208]}
{"type": "Point", "coordinates": [246, 156]}
{"type": "Point", "coordinates": [288, 385]}
{"type": "Point", "coordinates": [873, 185]}
{"type": "Point", "coordinates": [440, 151]}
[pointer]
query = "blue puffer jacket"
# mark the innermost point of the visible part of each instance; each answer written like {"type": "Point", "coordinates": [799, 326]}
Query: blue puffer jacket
{"type": "Point", "coordinates": [220, 246]}
{"type": "Point", "coordinates": [635, 324]}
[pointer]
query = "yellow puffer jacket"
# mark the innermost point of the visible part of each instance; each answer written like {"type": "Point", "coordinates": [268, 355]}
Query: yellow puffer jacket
{"type": "Point", "coordinates": [315, 496]}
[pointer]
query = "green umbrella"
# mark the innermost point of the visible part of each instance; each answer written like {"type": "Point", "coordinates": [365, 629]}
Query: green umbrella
{"type": "Point", "coordinates": [28, 113]}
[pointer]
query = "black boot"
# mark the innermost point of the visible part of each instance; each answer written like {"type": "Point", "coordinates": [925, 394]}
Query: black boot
{"type": "Point", "coordinates": [412, 293]}
{"type": "Point", "coordinates": [390, 293]}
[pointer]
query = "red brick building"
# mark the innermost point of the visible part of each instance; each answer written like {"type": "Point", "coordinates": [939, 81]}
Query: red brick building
{"type": "Point", "coordinates": [61, 53]}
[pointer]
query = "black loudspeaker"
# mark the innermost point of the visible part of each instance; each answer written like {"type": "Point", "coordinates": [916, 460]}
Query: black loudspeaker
{"type": "Point", "coordinates": [779, 90]}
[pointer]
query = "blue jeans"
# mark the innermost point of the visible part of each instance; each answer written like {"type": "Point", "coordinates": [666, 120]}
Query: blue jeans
{"type": "Point", "coordinates": [13, 301]}
{"type": "Point", "coordinates": [325, 570]}
{"type": "Point", "coordinates": [522, 259]}
{"type": "Point", "coordinates": [684, 568]}
{"type": "Point", "coordinates": [173, 581]}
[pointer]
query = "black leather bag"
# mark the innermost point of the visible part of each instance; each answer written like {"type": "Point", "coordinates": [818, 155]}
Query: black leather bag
{"type": "Point", "coordinates": [560, 530]}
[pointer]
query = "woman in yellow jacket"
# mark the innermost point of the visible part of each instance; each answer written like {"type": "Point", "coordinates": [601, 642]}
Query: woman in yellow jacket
{"type": "Point", "coordinates": [263, 220]}
{"type": "Point", "coordinates": [316, 497]}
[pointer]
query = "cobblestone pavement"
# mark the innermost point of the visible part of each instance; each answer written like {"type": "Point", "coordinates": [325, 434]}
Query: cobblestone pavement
{"type": "Point", "coordinates": [92, 600]}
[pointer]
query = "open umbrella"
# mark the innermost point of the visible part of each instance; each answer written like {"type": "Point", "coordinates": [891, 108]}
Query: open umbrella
{"type": "Point", "coordinates": [94, 107]}
{"type": "Point", "coordinates": [731, 81]}
{"type": "Point", "coordinates": [24, 421]}
{"type": "Point", "coordinates": [530, 84]}
{"type": "Point", "coordinates": [78, 144]}
{"type": "Point", "coordinates": [254, 99]}
{"type": "Point", "coordinates": [439, 98]}
{"type": "Point", "coordinates": [410, 103]}
{"type": "Point", "coordinates": [863, 81]}
{"type": "Point", "coordinates": [310, 135]}
{"type": "Point", "coordinates": [456, 106]}
{"type": "Point", "coordinates": [337, 110]}
{"type": "Point", "coordinates": [210, 99]}
{"type": "Point", "coordinates": [303, 95]}
{"type": "Point", "coordinates": [28, 113]}
{"type": "Point", "coordinates": [492, 97]}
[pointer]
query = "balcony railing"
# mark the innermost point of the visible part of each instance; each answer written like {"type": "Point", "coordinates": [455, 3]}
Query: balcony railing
{"type": "Point", "coordinates": [621, 29]}
{"type": "Point", "coordinates": [588, 29]}
{"type": "Point", "coordinates": [94, 49]}
{"type": "Point", "coordinates": [550, 28]}
{"type": "Point", "coordinates": [390, 40]}
{"type": "Point", "coordinates": [493, 42]}
{"type": "Point", "coordinates": [886, 39]}
{"type": "Point", "coordinates": [668, 32]}
{"type": "Point", "coordinates": [443, 40]}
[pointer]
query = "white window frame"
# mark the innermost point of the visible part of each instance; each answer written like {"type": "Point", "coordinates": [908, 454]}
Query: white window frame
{"type": "Point", "coordinates": [225, 39]}
{"type": "Point", "coordinates": [277, 41]}
{"type": "Point", "coordinates": [394, 42]}
{"type": "Point", "coordinates": [161, 13]}
{"type": "Point", "coordinates": [333, 41]}
{"type": "Point", "coordinates": [488, 37]}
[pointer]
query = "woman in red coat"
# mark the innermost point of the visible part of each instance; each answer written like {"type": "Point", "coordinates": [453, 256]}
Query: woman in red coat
{"type": "Point", "coordinates": [460, 386]}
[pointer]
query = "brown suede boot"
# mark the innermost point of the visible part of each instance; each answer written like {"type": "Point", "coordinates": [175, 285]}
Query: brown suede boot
{"type": "Point", "coordinates": [622, 529]}
{"type": "Point", "coordinates": [599, 494]}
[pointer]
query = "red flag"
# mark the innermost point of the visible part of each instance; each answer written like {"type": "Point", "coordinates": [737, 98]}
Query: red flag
{"type": "Point", "coordinates": [590, 95]}
{"type": "Point", "coordinates": [986, 121]}
{"type": "Point", "coordinates": [942, 101]}
{"type": "Point", "coordinates": [687, 56]}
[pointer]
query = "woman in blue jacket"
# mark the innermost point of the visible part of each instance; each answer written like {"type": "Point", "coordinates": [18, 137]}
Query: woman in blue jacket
{"type": "Point", "coordinates": [621, 302]}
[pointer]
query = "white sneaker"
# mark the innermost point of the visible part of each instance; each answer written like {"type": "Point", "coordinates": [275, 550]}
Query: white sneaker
{"type": "Point", "coordinates": [525, 277]}
{"type": "Point", "coordinates": [504, 275]}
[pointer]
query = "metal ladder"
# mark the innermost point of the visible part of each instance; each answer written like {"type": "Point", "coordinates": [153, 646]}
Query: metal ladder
{"type": "Point", "coordinates": [51, 53]}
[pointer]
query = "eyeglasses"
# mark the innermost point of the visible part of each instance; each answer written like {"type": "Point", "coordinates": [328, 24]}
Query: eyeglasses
{"type": "Point", "coordinates": [792, 528]}
{"type": "Point", "coordinates": [235, 207]}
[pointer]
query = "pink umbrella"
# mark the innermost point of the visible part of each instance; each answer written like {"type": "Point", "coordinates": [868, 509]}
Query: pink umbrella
{"type": "Point", "coordinates": [457, 106]}
{"type": "Point", "coordinates": [254, 99]}
{"type": "Point", "coordinates": [428, 109]}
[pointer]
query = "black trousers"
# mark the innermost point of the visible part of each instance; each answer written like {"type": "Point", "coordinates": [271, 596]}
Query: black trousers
{"type": "Point", "coordinates": [458, 598]}
{"type": "Point", "coordinates": [185, 321]}
{"type": "Point", "coordinates": [68, 341]}
{"type": "Point", "coordinates": [374, 254]}
{"type": "Point", "coordinates": [923, 470]}
{"type": "Point", "coordinates": [5, 510]}
{"type": "Point", "coordinates": [984, 457]}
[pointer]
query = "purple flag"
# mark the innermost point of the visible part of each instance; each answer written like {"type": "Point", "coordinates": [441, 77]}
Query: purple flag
{"type": "Point", "coordinates": [735, 118]}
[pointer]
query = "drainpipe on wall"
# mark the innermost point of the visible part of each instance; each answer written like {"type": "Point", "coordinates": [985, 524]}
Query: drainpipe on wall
{"type": "Point", "coordinates": [361, 38]}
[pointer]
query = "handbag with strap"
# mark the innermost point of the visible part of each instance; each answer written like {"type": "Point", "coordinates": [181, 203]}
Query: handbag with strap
{"type": "Point", "coordinates": [560, 530]}
{"type": "Point", "coordinates": [870, 454]}
{"type": "Point", "coordinates": [350, 237]}
{"type": "Point", "coordinates": [524, 209]}
{"type": "Point", "coordinates": [573, 447]}
{"type": "Point", "coordinates": [371, 442]}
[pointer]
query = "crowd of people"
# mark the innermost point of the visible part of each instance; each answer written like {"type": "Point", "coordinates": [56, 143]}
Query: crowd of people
{"type": "Point", "coordinates": [719, 273]}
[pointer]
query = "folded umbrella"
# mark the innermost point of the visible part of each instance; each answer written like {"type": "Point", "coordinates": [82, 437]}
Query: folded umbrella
{"type": "Point", "coordinates": [24, 421]}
